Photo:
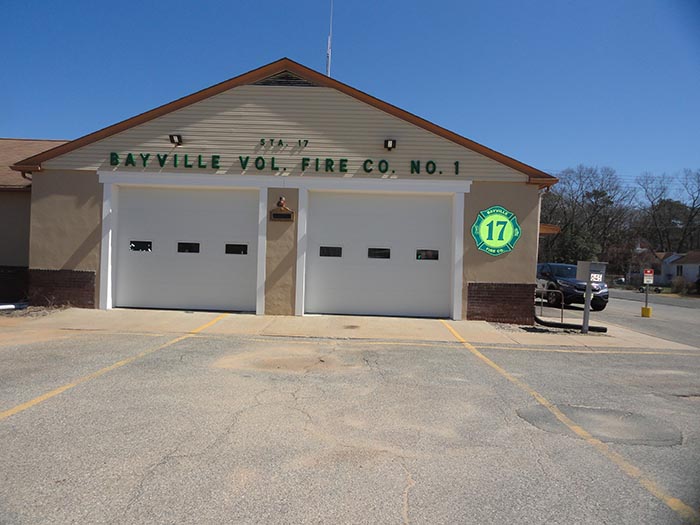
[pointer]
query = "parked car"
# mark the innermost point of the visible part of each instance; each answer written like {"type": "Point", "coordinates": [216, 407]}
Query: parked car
{"type": "Point", "coordinates": [562, 277]}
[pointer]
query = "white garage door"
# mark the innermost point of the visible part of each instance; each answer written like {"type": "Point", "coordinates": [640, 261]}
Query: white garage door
{"type": "Point", "coordinates": [187, 249]}
{"type": "Point", "coordinates": [379, 254]}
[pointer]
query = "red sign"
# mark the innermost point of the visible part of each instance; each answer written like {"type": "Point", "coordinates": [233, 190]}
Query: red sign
{"type": "Point", "coordinates": [648, 276]}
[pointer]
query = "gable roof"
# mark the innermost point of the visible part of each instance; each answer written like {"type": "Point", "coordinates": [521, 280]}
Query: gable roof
{"type": "Point", "coordinates": [13, 149]}
{"type": "Point", "coordinates": [280, 69]}
{"type": "Point", "coordinates": [692, 257]}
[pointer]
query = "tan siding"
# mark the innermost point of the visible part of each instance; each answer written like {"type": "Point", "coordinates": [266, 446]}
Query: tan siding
{"type": "Point", "coordinates": [66, 221]}
{"type": "Point", "coordinates": [517, 266]}
{"type": "Point", "coordinates": [336, 125]}
{"type": "Point", "coordinates": [14, 232]}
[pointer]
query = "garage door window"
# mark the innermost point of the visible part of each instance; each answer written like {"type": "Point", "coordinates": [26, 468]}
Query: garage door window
{"type": "Point", "coordinates": [331, 251]}
{"type": "Point", "coordinates": [427, 255]}
{"type": "Point", "coordinates": [141, 246]}
{"type": "Point", "coordinates": [379, 253]}
{"type": "Point", "coordinates": [188, 247]}
{"type": "Point", "coordinates": [237, 249]}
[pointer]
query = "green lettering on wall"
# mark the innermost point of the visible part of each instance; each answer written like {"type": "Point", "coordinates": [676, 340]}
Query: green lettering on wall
{"type": "Point", "coordinates": [129, 160]}
{"type": "Point", "coordinates": [187, 164]}
{"type": "Point", "coordinates": [272, 165]}
{"type": "Point", "coordinates": [175, 161]}
{"type": "Point", "coordinates": [304, 163]}
{"type": "Point", "coordinates": [316, 163]}
{"type": "Point", "coordinates": [215, 161]}
{"type": "Point", "coordinates": [200, 164]}
{"type": "Point", "coordinates": [162, 159]}
{"type": "Point", "coordinates": [329, 165]}
{"type": "Point", "coordinates": [343, 166]}
{"type": "Point", "coordinates": [430, 167]}
{"type": "Point", "coordinates": [259, 163]}
{"type": "Point", "coordinates": [113, 159]}
{"type": "Point", "coordinates": [144, 158]}
{"type": "Point", "coordinates": [383, 166]}
{"type": "Point", "coordinates": [367, 165]}
{"type": "Point", "coordinates": [244, 162]}
{"type": "Point", "coordinates": [415, 166]}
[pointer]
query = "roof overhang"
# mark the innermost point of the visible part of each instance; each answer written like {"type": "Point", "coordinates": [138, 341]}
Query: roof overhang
{"type": "Point", "coordinates": [549, 229]}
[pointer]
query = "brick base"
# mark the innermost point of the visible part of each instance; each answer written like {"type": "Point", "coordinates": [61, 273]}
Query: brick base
{"type": "Point", "coordinates": [14, 284]}
{"type": "Point", "coordinates": [62, 287]}
{"type": "Point", "coordinates": [501, 302]}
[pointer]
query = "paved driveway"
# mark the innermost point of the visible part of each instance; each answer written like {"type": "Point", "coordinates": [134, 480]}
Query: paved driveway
{"type": "Point", "coordinates": [125, 418]}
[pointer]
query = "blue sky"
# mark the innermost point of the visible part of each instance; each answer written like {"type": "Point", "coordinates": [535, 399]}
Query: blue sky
{"type": "Point", "coordinates": [553, 83]}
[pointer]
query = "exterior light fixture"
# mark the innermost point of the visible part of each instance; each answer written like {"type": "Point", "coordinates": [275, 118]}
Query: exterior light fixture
{"type": "Point", "coordinates": [176, 140]}
{"type": "Point", "coordinates": [390, 144]}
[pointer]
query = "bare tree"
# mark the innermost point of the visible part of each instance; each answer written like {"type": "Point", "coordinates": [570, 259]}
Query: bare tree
{"type": "Point", "coordinates": [669, 217]}
{"type": "Point", "coordinates": [593, 210]}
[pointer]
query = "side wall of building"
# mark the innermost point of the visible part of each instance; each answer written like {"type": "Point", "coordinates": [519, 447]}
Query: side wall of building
{"type": "Point", "coordinates": [65, 234]}
{"type": "Point", "coordinates": [501, 288]}
{"type": "Point", "coordinates": [14, 244]}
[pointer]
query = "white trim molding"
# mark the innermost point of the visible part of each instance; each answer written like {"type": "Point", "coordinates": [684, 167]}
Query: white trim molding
{"type": "Point", "coordinates": [109, 226]}
{"type": "Point", "coordinates": [262, 252]}
{"type": "Point", "coordinates": [457, 254]}
{"type": "Point", "coordinates": [302, 217]}
{"type": "Point", "coordinates": [265, 181]}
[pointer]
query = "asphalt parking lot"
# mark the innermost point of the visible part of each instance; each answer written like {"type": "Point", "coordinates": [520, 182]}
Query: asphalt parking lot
{"type": "Point", "coordinates": [160, 417]}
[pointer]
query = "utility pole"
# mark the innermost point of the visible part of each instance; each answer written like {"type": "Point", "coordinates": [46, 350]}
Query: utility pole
{"type": "Point", "coordinates": [328, 48]}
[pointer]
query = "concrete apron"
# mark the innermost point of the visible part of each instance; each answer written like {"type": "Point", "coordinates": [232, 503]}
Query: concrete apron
{"type": "Point", "coordinates": [65, 322]}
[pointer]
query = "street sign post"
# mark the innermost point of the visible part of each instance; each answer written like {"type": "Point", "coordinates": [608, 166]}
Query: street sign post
{"type": "Point", "coordinates": [648, 279]}
{"type": "Point", "coordinates": [591, 272]}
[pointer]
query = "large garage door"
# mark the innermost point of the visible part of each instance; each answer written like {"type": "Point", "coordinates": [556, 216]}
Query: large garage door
{"type": "Point", "coordinates": [378, 254]}
{"type": "Point", "coordinates": [187, 249]}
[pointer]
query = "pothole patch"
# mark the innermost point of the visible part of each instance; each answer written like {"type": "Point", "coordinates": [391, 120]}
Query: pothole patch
{"type": "Point", "coordinates": [287, 359]}
{"type": "Point", "coordinates": [607, 425]}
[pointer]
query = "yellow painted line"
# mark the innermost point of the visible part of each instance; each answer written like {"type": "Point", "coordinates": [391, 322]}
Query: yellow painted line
{"type": "Point", "coordinates": [683, 510]}
{"type": "Point", "coordinates": [210, 323]}
{"type": "Point", "coordinates": [53, 393]}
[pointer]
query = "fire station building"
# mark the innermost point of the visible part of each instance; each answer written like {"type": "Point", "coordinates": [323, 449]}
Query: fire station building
{"type": "Point", "coordinates": [283, 191]}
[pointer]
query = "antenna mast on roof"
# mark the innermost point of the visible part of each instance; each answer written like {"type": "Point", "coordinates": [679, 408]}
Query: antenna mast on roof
{"type": "Point", "coordinates": [328, 48]}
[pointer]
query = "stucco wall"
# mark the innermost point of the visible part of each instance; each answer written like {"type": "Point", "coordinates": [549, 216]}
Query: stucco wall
{"type": "Point", "coordinates": [280, 264]}
{"type": "Point", "coordinates": [519, 265]}
{"type": "Point", "coordinates": [14, 232]}
{"type": "Point", "coordinates": [65, 221]}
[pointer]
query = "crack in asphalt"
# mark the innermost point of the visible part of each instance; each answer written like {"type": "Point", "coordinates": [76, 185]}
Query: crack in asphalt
{"type": "Point", "coordinates": [410, 483]}
{"type": "Point", "coordinates": [142, 482]}
{"type": "Point", "coordinates": [374, 365]}
{"type": "Point", "coordinates": [166, 458]}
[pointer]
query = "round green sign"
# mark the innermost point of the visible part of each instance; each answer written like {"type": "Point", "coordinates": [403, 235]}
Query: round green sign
{"type": "Point", "coordinates": [496, 230]}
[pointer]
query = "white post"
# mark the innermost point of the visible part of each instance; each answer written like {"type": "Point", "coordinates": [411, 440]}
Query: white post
{"type": "Point", "coordinates": [457, 253]}
{"type": "Point", "coordinates": [262, 252]}
{"type": "Point", "coordinates": [302, 215]}
{"type": "Point", "coordinates": [109, 224]}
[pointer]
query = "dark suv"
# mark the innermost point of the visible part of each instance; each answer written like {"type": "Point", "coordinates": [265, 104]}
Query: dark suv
{"type": "Point", "coordinates": [562, 277]}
